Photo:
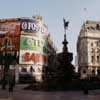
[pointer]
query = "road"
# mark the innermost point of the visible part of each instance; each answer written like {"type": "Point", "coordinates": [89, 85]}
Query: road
{"type": "Point", "coordinates": [20, 94]}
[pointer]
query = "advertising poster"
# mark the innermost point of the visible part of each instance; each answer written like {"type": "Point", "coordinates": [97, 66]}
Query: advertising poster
{"type": "Point", "coordinates": [9, 34]}
{"type": "Point", "coordinates": [31, 57]}
{"type": "Point", "coordinates": [33, 43]}
{"type": "Point", "coordinates": [10, 27]}
{"type": "Point", "coordinates": [33, 26]}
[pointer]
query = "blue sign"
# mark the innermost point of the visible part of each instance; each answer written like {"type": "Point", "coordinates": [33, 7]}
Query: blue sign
{"type": "Point", "coordinates": [29, 25]}
{"type": "Point", "coordinates": [33, 26]}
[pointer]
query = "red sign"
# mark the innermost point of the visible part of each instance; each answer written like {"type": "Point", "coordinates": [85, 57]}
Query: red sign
{"type": "Point", "coordinates": [10, 27]}
{"type": "Point", "coordinates": [31, 57]}
{"type": "Point", "coordinates": [34, 57]}
{"type": "Point", "coordinates": [9, 34]}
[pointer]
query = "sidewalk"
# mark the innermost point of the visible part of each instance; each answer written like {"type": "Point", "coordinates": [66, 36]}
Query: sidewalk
{"type": "Point", "coordinates": [4, 94]}
{"type": "Point", "coordinates": [20, 94]}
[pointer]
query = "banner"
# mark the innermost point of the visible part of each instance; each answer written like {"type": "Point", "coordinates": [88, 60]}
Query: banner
{"type": "Point", "coordinates": [30, 57]}
{"type": "Point", "coordinates": [33, 26]}
{"type": "Point", "coordinates": [33, 43]}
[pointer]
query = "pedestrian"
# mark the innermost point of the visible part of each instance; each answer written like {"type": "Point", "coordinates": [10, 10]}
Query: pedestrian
{"type": "Point", "coordinates": [85, 87]}
{"type": "Point", "coordinates": [11, 88]}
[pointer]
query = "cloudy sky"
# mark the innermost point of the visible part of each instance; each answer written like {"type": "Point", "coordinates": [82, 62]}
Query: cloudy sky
{"type": "Point", "coordinates": [53, 11]}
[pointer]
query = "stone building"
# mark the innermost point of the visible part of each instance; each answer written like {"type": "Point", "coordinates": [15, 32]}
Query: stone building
{"type": "Point", "coordinates": [88, 49]}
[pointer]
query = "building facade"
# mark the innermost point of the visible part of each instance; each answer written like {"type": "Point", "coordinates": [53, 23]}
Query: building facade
{"type": "Point", "coordinates": [30, 39]}
{"type": "Point", "coordinates": [88, 49]}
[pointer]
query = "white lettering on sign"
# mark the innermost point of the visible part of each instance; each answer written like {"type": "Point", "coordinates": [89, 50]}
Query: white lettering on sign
{"type": "Point", "coordinates": [29, 26]}
{"type": "Point", "coordinates": [33, 26]}
{"type": "Point", "coordinates": [24, 25]}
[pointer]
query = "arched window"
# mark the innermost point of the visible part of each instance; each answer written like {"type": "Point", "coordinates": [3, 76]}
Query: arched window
{"type": "Point", "coordinates": [92, 50]}
{"type": "Point", "coordinates": [98, 71]}
{"type": "Point", "coordinates": [98, 50]}
{"type": "Point", "coordinates": [98, 59]}
{"type": "Point", "coordinates": [97, 26]}
{"type": "Point", "coordinates": [7, 41]}
{"type": "Point", "coordinates": [93, 71]}
{"type": "Point", "coordinates": [84, 71]}
{"type": "Point", "coordinates": [92, 44]}
{"type": "Point", "coordinates": [92, 59]}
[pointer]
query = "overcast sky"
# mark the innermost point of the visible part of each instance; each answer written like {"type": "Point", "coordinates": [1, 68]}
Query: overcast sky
{"type": "Point", "coordinates": [53, 12]}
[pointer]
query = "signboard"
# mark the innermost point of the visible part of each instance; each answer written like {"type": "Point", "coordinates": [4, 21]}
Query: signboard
{"type": "Point", "coordinates": [10, 27]}
{"type": "Point", "coordinates": [31, 57]}
{"type": "Point", "coordinates": [9, 34]}
{"type": "Point", "coordinates": [33, 26]}
{"type": "Point", "coordinates": [33, 43]}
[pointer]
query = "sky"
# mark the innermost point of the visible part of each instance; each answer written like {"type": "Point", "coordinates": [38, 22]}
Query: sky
{"type": "Point", "coordinates": [53, 12]}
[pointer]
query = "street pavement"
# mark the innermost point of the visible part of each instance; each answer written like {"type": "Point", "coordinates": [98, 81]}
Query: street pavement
{"type": "Point", "coordinates": [20, 94]}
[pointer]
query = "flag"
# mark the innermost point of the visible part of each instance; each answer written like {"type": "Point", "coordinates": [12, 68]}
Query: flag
{"type": "Point", "coordinates": [65, 24]}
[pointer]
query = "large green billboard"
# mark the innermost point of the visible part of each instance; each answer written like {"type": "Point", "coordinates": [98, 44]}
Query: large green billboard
{"type": "Point", "coordinates": [33, 43]}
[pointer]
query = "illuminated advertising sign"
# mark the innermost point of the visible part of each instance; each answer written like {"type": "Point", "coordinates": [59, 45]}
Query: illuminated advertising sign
{"type": "Point", "coordinates": [31, 57]}
{"type": "Point", "coordinates": [33, 43]}
{"type": "Point", "coordinates": [9, 31]}
{"type": "Point", "coordinates": [10, 27]}
{"type": "Point", "coordinates": [33, 26]}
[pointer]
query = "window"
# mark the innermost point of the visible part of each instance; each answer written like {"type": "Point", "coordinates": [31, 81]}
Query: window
{"type": "Point", "coordinates": [92, 44]}
{"type": "Point", "coordinates": [98, 50]}
{"type": "Point", "coordinates": [98, 59]}
{"type": "Point", "coordinates": [24, 70]}
{"type": "Point", "coordinates": [92, 28]}
{"type": "Point", "coordinates": [7, 41]}
{"type": "Point", "coordinates": [88, 28]}
{"type": "Point", "coordinates": [98, 71]}
{"type": "Point", "coordinates": [97, 43]}
{"type": "Point", "coordinates": [84, 71]}
{"type": "Point", "coordinates": [93, 71]}
{"type": "Point", "coordinates": [97, 26]}
{"type": "Point", "coordinates": [92, 59]}
{"type": "Point", "coordinates": [92, 50]}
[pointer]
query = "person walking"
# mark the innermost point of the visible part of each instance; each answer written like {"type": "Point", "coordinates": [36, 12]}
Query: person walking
{"type": "Point", "coordinates": [85, 87]}
{"type": "Point", "coordinates": [11, 87]}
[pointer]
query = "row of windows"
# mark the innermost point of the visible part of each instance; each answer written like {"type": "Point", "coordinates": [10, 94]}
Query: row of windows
{"type": "Point", "coordinates": [97, 27]}
{"type": "Point", "coordinates": [93, 71]}
{"type": "Point", "coordinates": [97, 43]}
{"type": "Point", "coordinates": [97, 59]}
{"type": "Point", "coordinates": [95, 50]}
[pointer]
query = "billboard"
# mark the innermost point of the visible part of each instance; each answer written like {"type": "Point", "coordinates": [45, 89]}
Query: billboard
{"type": "Point", "coordinates": [9, 34]}
{"type": "Point", "coordinates": [33, 43]}
{"type": "Point", "coordinates": [31, 57]}
{"type": "Point", "coordinates": [10, 27]}
{"type": "Point", "coordinates": [33, 26]}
